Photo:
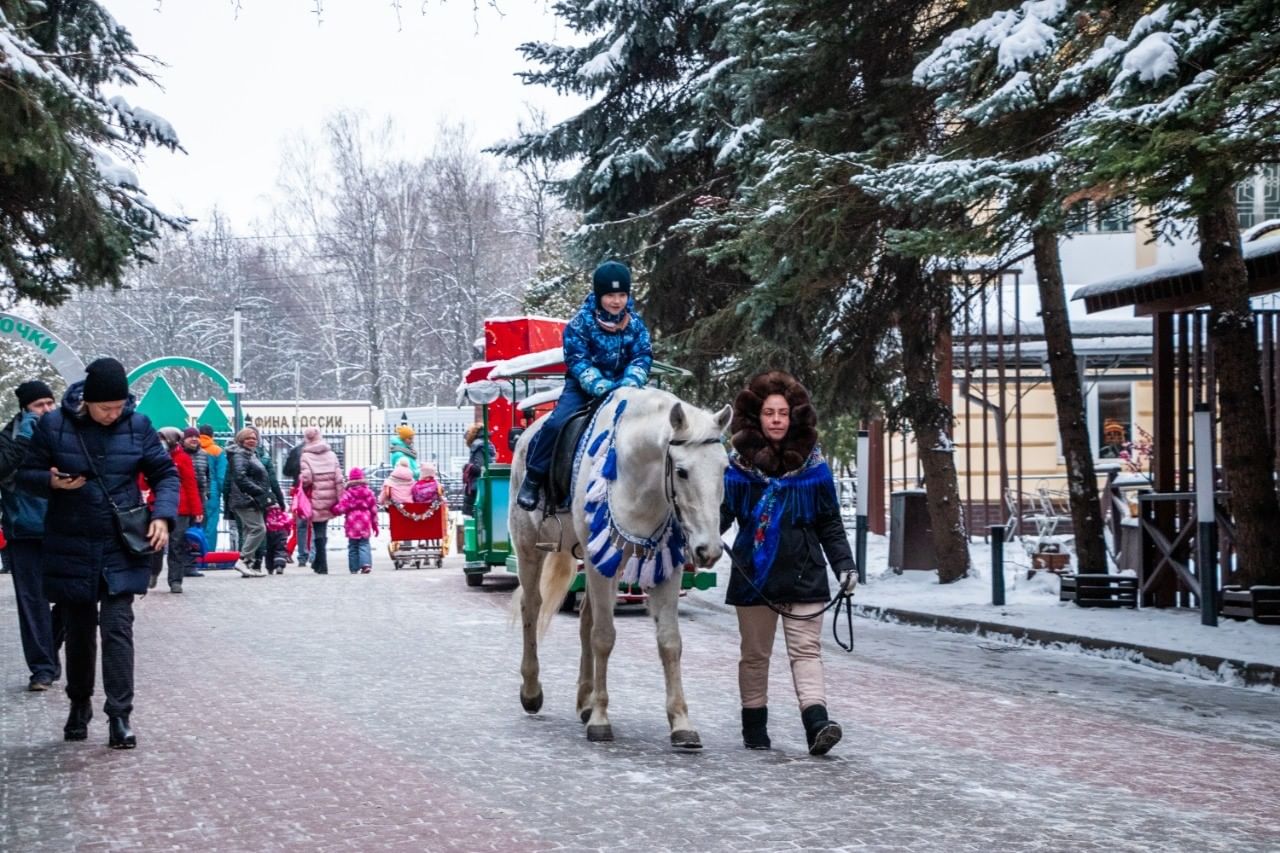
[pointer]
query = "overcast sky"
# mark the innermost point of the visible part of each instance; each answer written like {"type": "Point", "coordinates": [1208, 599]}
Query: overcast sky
{"type": "Point", "coordinates": [237, 86]}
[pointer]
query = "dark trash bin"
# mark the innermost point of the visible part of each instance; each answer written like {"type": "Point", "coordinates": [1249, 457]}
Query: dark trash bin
{"type": "Point", "coordinates": [910, 532]}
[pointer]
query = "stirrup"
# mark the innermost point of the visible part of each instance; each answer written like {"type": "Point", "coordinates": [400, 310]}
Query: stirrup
{"type": "Point", "coordinates": [548, 546]}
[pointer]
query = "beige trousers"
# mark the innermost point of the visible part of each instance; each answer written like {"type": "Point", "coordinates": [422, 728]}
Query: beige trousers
{"type": "Point", "coordinates": [757, 626]}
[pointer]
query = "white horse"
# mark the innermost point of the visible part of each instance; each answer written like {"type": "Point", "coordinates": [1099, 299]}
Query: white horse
{"type": "Point", "coordinates": [646, 499]}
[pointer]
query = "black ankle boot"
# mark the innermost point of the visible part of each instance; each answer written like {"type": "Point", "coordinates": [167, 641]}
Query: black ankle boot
{"type": "Point", "coordinates": [821, 732]}
{"type": "Point", "coordinates": [527, 498]}
{"type": "Point", "coordinates": [121, 736]}
{"type": "Point", "coordinates": [77, 727]}
{"type": "Point", "coordinates": [755, 734]}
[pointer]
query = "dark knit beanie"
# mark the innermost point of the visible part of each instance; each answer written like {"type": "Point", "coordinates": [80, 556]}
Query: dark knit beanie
{"type": "Point", "coordinates": [29, 392]}
{"type": "Point", "coordinates": [205, 429]}
{"type": "Point", "coordinates": [190, 432]}
{"type": "Point", "coordinates": [105, 381]}
{"type": "Point", "coordinates": [611, 277]}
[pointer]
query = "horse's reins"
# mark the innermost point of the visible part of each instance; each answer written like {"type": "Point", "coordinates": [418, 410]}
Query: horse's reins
{"type": "Point", "coordinates": [841, 599]}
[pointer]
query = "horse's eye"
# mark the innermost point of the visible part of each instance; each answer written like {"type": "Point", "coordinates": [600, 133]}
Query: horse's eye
{"type": "Point", "coordinates": [682, 473]}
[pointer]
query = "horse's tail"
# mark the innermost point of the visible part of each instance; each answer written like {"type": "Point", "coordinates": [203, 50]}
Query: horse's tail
{"type": "Point", "coordinates": [554, 580]}
{"type": "Point", "coordinates": [558, 571]}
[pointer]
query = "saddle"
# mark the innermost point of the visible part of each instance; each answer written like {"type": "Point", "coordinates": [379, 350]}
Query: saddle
{"type": "Point", "coordinates": [559, 486]}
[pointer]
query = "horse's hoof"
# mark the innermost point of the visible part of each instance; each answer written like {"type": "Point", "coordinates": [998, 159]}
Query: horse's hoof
{"type": "Point", "coordinates": [584, 715]}
{"type": "Point", "coordinates": [686, 739]}
{"type": "Point", "coordinates": [600, 734]}
{"type": "Point", "coordinates": [533, 705]}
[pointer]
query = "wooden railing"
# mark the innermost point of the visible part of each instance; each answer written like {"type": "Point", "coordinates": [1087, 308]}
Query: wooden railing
{"type": "Point", "coordinates": [1168, 542]}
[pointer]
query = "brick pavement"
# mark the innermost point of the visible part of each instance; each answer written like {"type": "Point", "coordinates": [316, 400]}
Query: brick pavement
{"type": "Point", "coordinates": [380, 712]}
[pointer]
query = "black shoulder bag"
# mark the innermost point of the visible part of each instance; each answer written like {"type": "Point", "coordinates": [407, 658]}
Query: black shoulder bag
{"type": "Point", "coordinates": [133, 524]}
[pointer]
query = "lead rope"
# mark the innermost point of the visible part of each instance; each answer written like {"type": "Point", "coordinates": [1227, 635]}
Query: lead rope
{"type": "Point", "coordinates": [840, 601]}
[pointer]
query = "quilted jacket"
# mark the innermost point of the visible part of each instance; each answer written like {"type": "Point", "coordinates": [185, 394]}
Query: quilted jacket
{"type": "Point", "coordinates": [592, 354]}
{"type": "Point", "coordinates": [82, 549]}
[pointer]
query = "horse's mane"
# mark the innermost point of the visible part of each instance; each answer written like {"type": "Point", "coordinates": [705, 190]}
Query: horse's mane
{"type": "Point", "coordinates": [655, 402]}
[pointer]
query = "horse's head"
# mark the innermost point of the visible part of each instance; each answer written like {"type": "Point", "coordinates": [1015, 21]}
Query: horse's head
{"type": "Point", "coordinates": [696, 460]}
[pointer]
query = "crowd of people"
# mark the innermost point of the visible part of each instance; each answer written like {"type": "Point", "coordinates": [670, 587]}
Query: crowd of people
{"type": "Point", "coordinates": [96, 501]}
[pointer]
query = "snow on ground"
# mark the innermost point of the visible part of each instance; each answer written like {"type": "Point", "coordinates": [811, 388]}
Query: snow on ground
{"type": "Point", "coordinates": [1034, 604]}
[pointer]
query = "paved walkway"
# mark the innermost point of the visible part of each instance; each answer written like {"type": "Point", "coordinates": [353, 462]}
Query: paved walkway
{"type": "Point", "coordinates": [380, 712]}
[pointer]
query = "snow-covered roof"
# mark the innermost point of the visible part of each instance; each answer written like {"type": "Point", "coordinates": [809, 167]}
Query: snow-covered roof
{"type": "Point", "coordinates": [528, 362]}
{"type": "Point", "coordinates": [515, 317]}
{"type": "Point", "coordinates": [1112, 345]}
{"type": "Point", "coordinates": [1176, 279]}
{"type": "Point", "coordinates": [547, 396]}
{"type": "Point", "coordinates": [1080, 327]}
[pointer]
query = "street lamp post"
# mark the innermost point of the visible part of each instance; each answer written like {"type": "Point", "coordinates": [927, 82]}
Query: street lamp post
{"type": "Point", "coordinates": [864, 495]}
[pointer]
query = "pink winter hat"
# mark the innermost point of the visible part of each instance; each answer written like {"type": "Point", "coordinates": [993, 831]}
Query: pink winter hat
{"type": "Point", "coordinates": [355, 475]}
{"type": "Point", "coordinates": [428, 469]}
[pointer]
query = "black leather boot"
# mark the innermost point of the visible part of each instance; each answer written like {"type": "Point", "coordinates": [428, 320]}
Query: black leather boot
{"type": "Point", "coordinates": [77, 727]}
{"type": "Point", "coordinates": [755, 733]}
{"type": "Point", "coordinates": [527, 499]}
{"type": "Point", "coordinates": [821, 732]}
{"type": "Point", "coordinates": [120, 735]}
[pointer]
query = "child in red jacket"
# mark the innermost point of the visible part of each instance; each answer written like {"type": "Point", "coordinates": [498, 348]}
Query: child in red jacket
{"type": "Point", "coordinates": [190, 511]}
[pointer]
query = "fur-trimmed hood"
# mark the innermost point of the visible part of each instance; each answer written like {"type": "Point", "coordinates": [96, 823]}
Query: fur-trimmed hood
{"type": "Point", "coordinates": [748, 438]}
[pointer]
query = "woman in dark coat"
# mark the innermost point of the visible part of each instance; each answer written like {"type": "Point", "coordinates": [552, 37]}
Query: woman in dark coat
{"type": "Point", "coordinates": [782, 495]}
{"type": "Point", "coordinates": [482, 452]}
{"type": "Point", "coordinates": [249, 494]}
{"type": "Point", "coordinates": [93, 446]}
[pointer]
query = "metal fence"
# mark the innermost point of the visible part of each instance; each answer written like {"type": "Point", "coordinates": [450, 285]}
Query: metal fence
{"type": "Point", "coordinates": [370, 448]}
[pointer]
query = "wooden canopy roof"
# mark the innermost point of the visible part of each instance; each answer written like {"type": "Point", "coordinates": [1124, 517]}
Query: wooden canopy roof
{"type": "Point", "coordinates": [1179, 287]}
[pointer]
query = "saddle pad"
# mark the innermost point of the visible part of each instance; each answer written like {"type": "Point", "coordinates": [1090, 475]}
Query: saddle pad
{"type": "Point", "coordinates": [560, 480]}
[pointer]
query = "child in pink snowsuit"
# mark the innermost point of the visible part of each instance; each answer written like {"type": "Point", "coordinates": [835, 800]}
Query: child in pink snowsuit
{"type": "Point", "coordinates": [360, 508]}
{"type": "Point", "coordinates": [427, 489]}
{"type": "Point", "coordinates": [398, 487]}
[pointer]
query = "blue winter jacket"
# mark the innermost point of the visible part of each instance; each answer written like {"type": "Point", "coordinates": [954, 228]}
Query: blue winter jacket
{"type": "Point", "coordinates": [592, 354]}
{"type": "Point", "coordinates": [23, 512]}
{"type": "Point", "coordinates": [82, 547]}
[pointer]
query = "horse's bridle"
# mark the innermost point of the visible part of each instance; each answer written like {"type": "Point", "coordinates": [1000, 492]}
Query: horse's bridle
{"type": "Point", "coordinates": [669, 480]}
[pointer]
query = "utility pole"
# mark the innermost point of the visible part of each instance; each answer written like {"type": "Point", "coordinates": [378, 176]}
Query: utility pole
{"type": "Point", "coordinates": [237, 381]}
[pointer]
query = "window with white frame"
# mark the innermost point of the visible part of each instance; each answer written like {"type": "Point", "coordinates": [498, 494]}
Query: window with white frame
{"type": "Point", "coordinates": [1258, 198]}
{"type": "Point", "coordinates": [1109, 414]}
{"type": "Point", "coordinates": [1114, 216]}
{"type": "Point", "coordinates": [1111, 418]}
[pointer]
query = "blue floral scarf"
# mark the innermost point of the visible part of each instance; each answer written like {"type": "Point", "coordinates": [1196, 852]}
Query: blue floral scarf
{"type": "Point", "coordinates": [792, 499]}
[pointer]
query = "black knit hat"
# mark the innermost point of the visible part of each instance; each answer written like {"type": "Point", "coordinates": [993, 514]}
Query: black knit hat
{"type": "Point", "coordinates": [611, 277]}
{"type": "Point", "coordinates": [28, 392]}
{"type": "Point", "coordinates": [105, 381]}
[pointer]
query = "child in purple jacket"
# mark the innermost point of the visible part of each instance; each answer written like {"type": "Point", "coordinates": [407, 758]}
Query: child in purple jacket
{"type": "Point", "coordinates": [360, 507]}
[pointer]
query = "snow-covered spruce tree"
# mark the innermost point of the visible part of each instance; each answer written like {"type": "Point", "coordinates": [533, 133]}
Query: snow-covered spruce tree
{"type": "Point", "coordinates": [71, 213]}
{"type": "Point", "coordinates": [1192, 107]}
{"type": "Point", "coordinates": [689, 102]}
{"type": "Point", "coordinates": [822, 87]}
{"type": "Point", "coordinates": [998, 88]}
{"type": "Point", "coordinates": [645, 150]}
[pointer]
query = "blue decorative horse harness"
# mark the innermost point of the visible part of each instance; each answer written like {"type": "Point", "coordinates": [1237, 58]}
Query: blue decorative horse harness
{"type": "Point", "coordinates": [643, 560]}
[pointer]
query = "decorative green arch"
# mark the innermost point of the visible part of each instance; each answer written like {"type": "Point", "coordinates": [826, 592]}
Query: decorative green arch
{"type": "Point", "coordinates": [181, 361]}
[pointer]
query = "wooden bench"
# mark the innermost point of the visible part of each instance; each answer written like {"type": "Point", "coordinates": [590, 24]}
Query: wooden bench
{"type": "Point", "coordinates": [1099, 590]}
{"type": "Point", "coordinates": [1260, 603]}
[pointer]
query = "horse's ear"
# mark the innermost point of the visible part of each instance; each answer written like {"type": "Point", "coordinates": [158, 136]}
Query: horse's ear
{"type": "Point", "coordinates": [722, 418]}
{"type": "Point", "coordinates": [678, 419]}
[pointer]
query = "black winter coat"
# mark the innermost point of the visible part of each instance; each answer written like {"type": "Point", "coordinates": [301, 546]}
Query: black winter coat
{"type": "Point", "coordinates": [82, 547]}
{"type": "Point", "coordinates": [799, 572]}
{"type": "Point", "coordinates": [248, 483]}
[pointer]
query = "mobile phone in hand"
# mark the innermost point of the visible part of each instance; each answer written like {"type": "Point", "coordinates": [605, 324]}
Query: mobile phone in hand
{"type": "Point", "coordinates": [63, 475]}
